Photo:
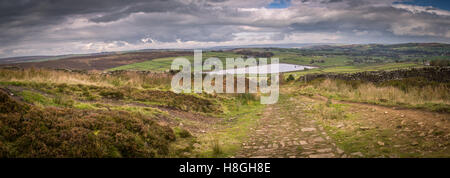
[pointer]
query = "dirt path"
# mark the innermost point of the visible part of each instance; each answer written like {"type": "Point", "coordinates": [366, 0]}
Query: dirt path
{"type": "Point", "coordinates": [284, 132]}
{"type": "Point", "coordinates": [292, 128]}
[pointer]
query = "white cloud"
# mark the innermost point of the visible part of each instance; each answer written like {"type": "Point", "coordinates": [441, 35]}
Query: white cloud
{"type": "Point", "coordinates": [219, 23]}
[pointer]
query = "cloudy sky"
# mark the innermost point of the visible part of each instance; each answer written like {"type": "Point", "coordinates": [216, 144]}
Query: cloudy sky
{"type": "Point", "coordinates": [53, 27]}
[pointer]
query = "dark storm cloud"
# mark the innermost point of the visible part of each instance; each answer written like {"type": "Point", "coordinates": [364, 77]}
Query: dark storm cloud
{"type": "Point", "coordinates": [62, 26]}
{"type": "Point", "coordinates": [29, 16]}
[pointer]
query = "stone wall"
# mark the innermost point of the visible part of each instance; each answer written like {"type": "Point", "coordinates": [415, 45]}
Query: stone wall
{"type": "Point", "coordinates": [438, 74]}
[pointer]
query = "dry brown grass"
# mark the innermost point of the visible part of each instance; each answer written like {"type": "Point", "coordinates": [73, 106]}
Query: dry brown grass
{"type": "Point", "coordinates": [129, 79]}
{"type": "Point", "coordinates": [369, 92]}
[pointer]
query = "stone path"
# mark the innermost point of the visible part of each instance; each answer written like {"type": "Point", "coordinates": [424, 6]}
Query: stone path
{"type": "Point", "coordinates": [284, 132]}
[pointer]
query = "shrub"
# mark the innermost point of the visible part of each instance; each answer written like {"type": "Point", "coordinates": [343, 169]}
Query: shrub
{"type": "Point", "coordinates": [63, 101]}
{"type": "Point", "coordinates": [216, 148]}
{"type": "Point", "coordinates": [182, 133]}
{"type": "Point", "coordinates": [112, 94]}
{"type": "Point", "coordinates": [290, 78]}
{"type": "Point", "coordinates": [65, 132]}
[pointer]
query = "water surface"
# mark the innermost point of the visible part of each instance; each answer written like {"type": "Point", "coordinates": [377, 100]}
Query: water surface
{"type": "Point", "coordinates": [264, 69]}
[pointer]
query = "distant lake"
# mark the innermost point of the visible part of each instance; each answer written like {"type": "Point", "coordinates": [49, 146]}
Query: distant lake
{"type": "Point", "coordinates": [264, 69]}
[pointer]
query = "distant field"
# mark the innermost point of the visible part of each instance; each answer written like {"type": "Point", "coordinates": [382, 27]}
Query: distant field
{"type": "Point", "coordinates": [98, 62]}
{"type": "Point", "coordinates": [355, 68]}
{"type": "Point", "coordinates": [164, 64]}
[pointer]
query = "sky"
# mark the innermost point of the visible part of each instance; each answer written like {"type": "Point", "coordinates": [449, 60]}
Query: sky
{"type": "Point", "coordinates": [48, 27]}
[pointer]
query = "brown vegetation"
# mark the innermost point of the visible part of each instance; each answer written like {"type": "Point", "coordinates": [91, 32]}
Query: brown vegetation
{"type": "Point", "coordinates": [31, 131]}
{"type": "Point", "coordinates": [99, 62]}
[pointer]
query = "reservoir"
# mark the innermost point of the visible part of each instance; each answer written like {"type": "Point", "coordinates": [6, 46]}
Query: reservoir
{"type": "Point", "coordinates": [264, 69]}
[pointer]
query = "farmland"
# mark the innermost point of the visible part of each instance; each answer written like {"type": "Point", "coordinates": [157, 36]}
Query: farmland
{"type": "Point", "coordinates": [121, 105]}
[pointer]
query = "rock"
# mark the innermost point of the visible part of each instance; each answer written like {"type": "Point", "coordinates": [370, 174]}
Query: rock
{"type": "Point", "coordinates": [385, 112]}
{"type": "Point", "coordinates": [308, 129]}
{"type": "Point", "coordinates": [275, 145]}
{"type": "Point", "coordinates": [291, 156]}
{"type": "Point", "coordinates": [303, 142]}
{"type": "Point", "coordinates": [380, 143]}
{"type": "Point", "coordinates": [415, 143]}
{"type": "Point", "coordinates": [326, 155]}
{"type": "Point", "coordinates": [402, 115]}
{"type": "Point", "coordinates": [324, 150]}
{"type": "Point", "coordinates": [340, 125]}
{"type": "Point", "coordinates": [422, 134]}
{"type": "Point", "coordinates": [339, 151]}
{"type": "Point", "coordinates": [358, 154]}
{"type": "Point", "coordinates": [403, 122]}
{"type": "Point", "coordinates": [196, 145]}
{"type": "Point", "coordinates": [318, 139]}
{"type": "Point", "coordinates": [364, 128]}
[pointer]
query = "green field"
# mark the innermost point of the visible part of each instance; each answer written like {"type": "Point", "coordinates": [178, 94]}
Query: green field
{"type": "Point", "coordinates": [164, 64]}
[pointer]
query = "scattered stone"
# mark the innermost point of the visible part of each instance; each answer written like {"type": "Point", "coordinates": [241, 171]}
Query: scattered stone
{"type": "Point", "coordinates": [364, 128]}
{"type": "Point", "coordinates": [385, 112]}
{"type": "Point", "coordinates": [403, 122]}
{"type": "Point", "coordinates": [326, 155]}
{"type": "Point", "coordinates": [339, 151]}
{"type": "Point", "coordinates": [196, 145]}
{"type": "Point", "coordinates": [340, 126]}
{"type": "Point", "coordinates": [402, 115]}
{"type": "Point", "coordinates": [303, 142]}
{"type": "Point", "coordinates": [422, 134]}
{"type": "Point", "coordinates": [380, 143]}
{"type": "Point", "coordinates": [308, 129]}
{"type": "Point", "coordinates": [291, 156]}
{"type": "Point", "coordinates": [318, 139]}
{"type": "Point", "coordinates": [358, 154]}
{"type": "Point", "coordinates": [324, 150]}
{"type": "Point", "coordinates": [415, 143]}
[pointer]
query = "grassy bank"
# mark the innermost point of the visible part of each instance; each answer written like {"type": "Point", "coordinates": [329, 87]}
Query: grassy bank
{"type": "Point", "coordinates": [410, 93]}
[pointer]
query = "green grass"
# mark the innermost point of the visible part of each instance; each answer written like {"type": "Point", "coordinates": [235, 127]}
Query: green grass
{"type": "Point", "coordinates": [227, 141]}
{"type": "Point", "coordinates": [164, 64]}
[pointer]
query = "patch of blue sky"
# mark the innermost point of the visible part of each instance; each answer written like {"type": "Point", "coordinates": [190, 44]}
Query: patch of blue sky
{"type": "Point", "coordinates": [279, 4]}
{"type": "Point", "coordinates": [440, 4]}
